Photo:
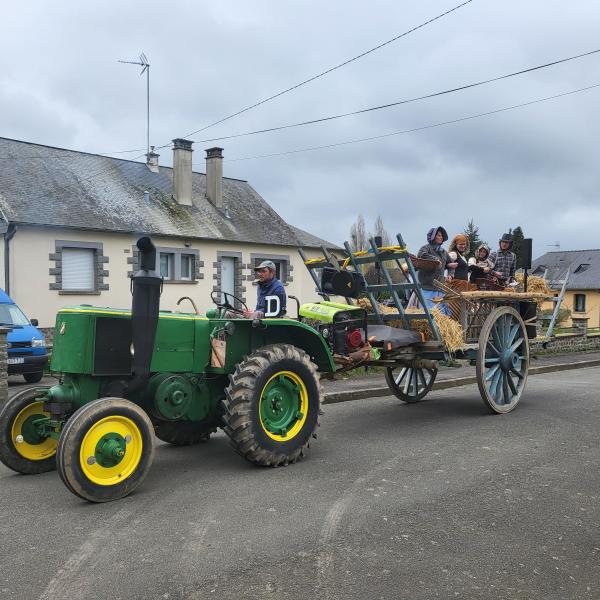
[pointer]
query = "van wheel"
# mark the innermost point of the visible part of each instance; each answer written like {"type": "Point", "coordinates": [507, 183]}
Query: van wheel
{"type": "Point", "coordinates": [33, 377]}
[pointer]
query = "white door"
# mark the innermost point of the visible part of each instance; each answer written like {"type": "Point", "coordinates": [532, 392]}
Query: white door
{"type": "Point", "coordinates": [228, 275]}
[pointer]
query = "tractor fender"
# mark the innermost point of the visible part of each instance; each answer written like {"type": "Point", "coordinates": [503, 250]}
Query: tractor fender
{"type": "Point", "coordinates": [290, 331]}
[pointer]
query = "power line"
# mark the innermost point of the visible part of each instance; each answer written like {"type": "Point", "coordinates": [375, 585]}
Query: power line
{"type": "Point", "coordinates": [326, 72]}
{"type": "Point", "coordinates": [415, 129]}
{"type": "Point", "coordinates": [399, 102]}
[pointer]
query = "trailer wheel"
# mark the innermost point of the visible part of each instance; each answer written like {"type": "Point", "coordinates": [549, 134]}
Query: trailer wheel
{"type": "Point", "coordinates": [502, 359]}
{"type": "Point", "coordinates": [105, 449]}
{"type": "Point", "coordinates": [272, 405]}
{"type": "Point", "coordinates": [182, 433]}
{"type": "Point", "coordinates": [410, 384]}
{"type": "Point", "coordinates": [22, 448]}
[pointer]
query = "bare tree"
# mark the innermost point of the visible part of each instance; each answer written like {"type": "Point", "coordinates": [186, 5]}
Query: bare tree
{"type": "Point", "coordinates": [380, 230]}
{"type": "Point", "coordinates": [358, 235]}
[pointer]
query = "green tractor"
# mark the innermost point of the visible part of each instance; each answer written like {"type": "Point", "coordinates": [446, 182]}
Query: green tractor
{"type": "Point", "coordinates": [126, 375]}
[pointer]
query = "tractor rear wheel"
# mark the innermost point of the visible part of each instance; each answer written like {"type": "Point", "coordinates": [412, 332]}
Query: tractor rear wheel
{"type": "Point", "coordinates": [182, 433]}
{"type": "Point", "coordinates": [272, 405]}
{"type": "Point", "coordinates": [23, 448]}
{"type": "Point", "coordinates": [105, 450]}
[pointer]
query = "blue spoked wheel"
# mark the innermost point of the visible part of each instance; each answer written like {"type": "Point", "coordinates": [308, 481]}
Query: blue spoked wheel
{"type": "Point", "coordinates": [502, 359]}
{"type": "Point", "coordinates": [410, 384]}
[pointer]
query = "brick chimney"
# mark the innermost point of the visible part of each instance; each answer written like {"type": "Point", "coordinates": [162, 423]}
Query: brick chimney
{"type": "Point", "coordinates": [214, 176]}
{"type": "Point", "coordinates": [182, 171]}
{"type": "Point", "coordinates": [152, 160]}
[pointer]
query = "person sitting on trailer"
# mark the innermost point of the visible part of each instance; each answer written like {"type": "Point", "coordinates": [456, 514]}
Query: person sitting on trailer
{"type": "Point", "coordinates": [434, 250]}
{"type": "Point", "coordinates": [457, 251]}
{"type": "Point", "coordinates": [480, 265]}
{"type": "Point", "coordinates": [504, 261]}
{"type": "Point", "coordinates": [271, 299]}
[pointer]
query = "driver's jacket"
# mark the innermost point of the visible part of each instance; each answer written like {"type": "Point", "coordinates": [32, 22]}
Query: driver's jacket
{"type": "Point", "coordinates": [271, 288]}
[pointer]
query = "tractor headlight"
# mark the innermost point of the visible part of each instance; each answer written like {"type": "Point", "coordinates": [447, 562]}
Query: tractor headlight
{"type": "Point", "coordinates": [38, 342]}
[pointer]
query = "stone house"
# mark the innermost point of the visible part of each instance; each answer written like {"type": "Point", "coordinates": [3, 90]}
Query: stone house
{"type": "Point", "coordinates": [69, 222]}
{"type": "Point", "coordinates": [582, 293]}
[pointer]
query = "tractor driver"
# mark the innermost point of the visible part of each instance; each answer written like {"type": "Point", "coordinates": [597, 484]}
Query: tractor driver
{"type": "Point", "coordinates": [271, 299]}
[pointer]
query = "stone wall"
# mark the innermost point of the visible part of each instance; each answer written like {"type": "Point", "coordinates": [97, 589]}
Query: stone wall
{"type": "Point", "coordinates": [572, 342]}
{"type": "Point", "coordinates": [3, 366]}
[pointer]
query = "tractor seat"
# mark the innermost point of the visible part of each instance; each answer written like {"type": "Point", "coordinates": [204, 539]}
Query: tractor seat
{"type": "Point", "coordinates": [391, 337]}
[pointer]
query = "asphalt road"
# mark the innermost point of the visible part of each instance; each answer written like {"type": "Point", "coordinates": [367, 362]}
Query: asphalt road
{"type": "Point", "coordinates": [434, 500]}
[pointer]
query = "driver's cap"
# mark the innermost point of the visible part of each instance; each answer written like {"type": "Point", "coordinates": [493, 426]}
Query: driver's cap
{"type": "Point", "coordinates": [266, 264]}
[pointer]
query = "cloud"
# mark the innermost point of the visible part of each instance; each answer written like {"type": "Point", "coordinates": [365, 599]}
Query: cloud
{"type": "Point", "coordinates": [535, 167]}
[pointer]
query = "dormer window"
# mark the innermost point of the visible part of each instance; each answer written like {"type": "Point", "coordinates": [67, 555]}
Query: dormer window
{"type": "Point", "coordinates": [582, 267]}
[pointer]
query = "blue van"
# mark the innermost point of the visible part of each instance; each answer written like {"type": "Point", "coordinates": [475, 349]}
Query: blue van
{"type": "Point", "coordinates": [26, 345]}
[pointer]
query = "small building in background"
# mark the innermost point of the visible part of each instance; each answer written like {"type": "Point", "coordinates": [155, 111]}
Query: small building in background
{"type": "Point", "coordinates": [582, 292]}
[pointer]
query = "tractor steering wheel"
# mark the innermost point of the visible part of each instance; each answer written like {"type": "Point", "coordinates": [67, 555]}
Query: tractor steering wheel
{"type": "Point", "coordinates": [225, 303]}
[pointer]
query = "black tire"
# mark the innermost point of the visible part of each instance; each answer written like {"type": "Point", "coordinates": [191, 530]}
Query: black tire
{"type": "Point", "coordinates": [410, 384]}
{"type": "Point", "coordinates": [263, 369]}
{"type": "Point", "coordinates": [183, 433]}
{"type": "Point", "coordinates": [41, 453]}
{"type": "Point", "coordinates": [33, 377]}
{"type": "Point", "coordinates": [94, 481]}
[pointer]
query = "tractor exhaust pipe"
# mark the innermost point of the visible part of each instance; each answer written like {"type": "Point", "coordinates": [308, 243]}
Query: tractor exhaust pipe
{"type": "Point", "coordinates": [146, 286]}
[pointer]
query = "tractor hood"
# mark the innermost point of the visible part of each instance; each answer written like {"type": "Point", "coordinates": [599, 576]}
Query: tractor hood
{"type": "Point", "coordinates": [324, 311]}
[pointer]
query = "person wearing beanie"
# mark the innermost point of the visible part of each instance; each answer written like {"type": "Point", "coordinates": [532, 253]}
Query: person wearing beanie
{"type": "Point", "coordinates": [504, 261]}
{"type": "Point", "coordinates": [434, 250]}
{"type": "Point", "coordinates": [457, 250]}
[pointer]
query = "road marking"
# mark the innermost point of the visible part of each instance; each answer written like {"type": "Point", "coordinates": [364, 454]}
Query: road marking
{"type": "Point", "coordinates": [325, 556]}
{"type": "Point", "coordinates": [68, 581]}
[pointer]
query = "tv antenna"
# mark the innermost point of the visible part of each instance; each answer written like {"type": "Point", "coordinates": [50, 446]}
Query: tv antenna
{"type": "Point", "coordinates": [555, 245]}
{"type": "Point", "coordinates": [143, 62]}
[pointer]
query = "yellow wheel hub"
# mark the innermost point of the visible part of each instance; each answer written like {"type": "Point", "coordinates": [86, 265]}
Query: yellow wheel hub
{"type": "Point", "coordinates": [283, 406]}
{"type": "Point", "coordinates": [25, 443]}
{"type": "Point", "coordinates": [111, 450]}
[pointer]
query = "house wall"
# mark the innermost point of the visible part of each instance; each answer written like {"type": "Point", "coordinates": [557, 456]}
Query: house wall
{"type": "Point", "coordinates": [592, 305]}
{"type": "Point", "coordinates": [31, 272]}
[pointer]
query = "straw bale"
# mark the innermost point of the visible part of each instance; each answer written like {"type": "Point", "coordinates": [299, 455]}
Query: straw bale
{"type": "Point", "coordinates": [534, 284]}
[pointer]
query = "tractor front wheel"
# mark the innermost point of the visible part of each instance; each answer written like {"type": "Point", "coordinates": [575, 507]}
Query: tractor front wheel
{"type": "Point", "coordinates": [272, 405]}
{"type": "Point", "coordinates": [105, 450]}
{"type": "Point", "coordinates": [23, 447]}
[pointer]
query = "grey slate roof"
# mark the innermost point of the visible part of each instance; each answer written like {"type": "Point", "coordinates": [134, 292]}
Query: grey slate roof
{"type": "Point", "coordinates": [65, 188]}
{"type": "Point", "coordinates": [581, 278]}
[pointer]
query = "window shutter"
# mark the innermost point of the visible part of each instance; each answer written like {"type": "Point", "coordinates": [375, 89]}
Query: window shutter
{"type": "Point", "coordinates": [78, 269]}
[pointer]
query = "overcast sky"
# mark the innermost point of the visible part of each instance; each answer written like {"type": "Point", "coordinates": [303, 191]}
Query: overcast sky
{"type": "Point", "coordinates": [537, 167]}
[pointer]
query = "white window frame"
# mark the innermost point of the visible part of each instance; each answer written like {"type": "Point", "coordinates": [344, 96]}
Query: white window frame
{"type": "Point", "coordinates": [190, 275]}
{"type": "Point", "coordinates": [176, 261]}
{"type": "Point", "coordinates": [98, 271]}
{"type": "Point", "coordinates": [72, 260]}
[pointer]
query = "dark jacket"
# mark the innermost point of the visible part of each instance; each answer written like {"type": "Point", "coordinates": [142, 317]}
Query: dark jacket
{"type": "Point", "coordinates": [271, 288]}
{"type": "Point", "coordinates": [462, 270]}
{"type": "Point", "coordinates": [426, 278]}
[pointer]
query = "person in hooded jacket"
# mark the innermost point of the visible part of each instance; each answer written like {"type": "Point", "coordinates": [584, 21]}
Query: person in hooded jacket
{"type": "Point", "coordinates": [480, 265]}
{"type": "Point", "coordinates": [457, 250]}
{"type": "Point", "coordinates": [434, 250]}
